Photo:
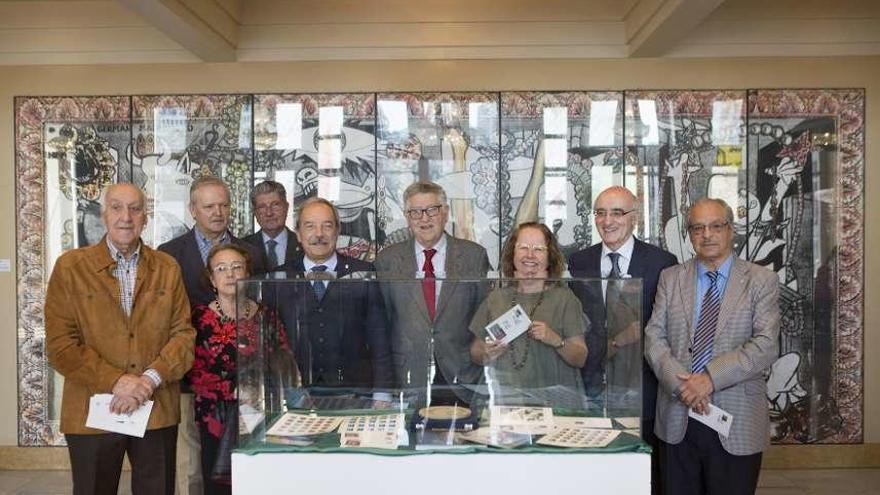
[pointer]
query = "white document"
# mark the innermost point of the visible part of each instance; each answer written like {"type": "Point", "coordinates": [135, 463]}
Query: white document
{"type": "Point", "coordinates": [579, 438]}
{"type": "Point", "coordinates": [629, 422]}
{"type": "Point", "coordinates": [582, 422]}
{"type": "Point", "coordinates": [718, 419]}
{"type": "Point", "coordinates": [513, 323]}
{"type": "Point", "coordinates": [248, 419]}
{"type": "Point", "coordinates": [100, 417]}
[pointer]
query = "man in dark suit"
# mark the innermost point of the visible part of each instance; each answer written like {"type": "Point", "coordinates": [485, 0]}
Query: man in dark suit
{"type": "Point", "coordinates": [209, 205]}
{"type": "Point", "coordinates": [616, 213]}
{"type": "Point", "coordinates": [713, 335]}
{"type": "Point", "coordinates": [276, 242]}
{"type": "Point", "coordinates": [432, 314]}
{"type": "Point", "coordinates": [337, 327]}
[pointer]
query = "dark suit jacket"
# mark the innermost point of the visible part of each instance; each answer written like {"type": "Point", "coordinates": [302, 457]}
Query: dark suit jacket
{"type": "Point", "coordinates": [185, 250]}
{"type": "Point", "coordinates": [342, 339]}
{"type": "Point", "coordinates": [647, 262]}
{"type": "Point", "coordinates": [412, 328]}
{"type": "Point", "coordinates": [293, 251]}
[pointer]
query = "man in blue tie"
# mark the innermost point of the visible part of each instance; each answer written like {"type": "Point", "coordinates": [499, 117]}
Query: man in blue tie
{"type": "Point", "coordinates": [275, 241]}
{"type": "Point", "coordinates": [337, 327]}
{"type": "Point", "coordinates": [713, 335]}
{"type": "Point", "coordinates": [614, 362]}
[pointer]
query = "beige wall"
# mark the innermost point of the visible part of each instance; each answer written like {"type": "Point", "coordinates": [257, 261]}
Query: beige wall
{"type": "Point", "coordinates": [438, 75]}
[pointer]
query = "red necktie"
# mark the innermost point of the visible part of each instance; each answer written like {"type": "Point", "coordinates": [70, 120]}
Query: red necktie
{"type": "Point", "coordinates": [429, 287]}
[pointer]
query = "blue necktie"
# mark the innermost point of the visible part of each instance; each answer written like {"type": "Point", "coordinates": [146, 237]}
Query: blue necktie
{"type": "Point", "coordinates": [615, 268]}
{"type": "Point", "coordinates": [271, 255]}
{"type": "Point", "coordinates": [318, 285]}
{"type": "Point", "coordinates": [704, 336]}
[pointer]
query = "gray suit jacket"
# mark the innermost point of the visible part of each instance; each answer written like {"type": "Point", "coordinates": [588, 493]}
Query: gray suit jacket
{"type": "Point", "coordinates": [746, 344]}
{"type": "Point", "coordinates": [411, 327]}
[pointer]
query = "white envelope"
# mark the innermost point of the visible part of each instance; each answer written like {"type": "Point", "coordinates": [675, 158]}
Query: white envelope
{"type": "Point", "coordinates": [718, 419]}
{"type": "Point", "coordinates": [513, 323]}
{"type": "Point", "coordinates": [100, 417]}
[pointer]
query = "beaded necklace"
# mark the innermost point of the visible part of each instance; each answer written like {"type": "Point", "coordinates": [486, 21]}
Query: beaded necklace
{"type": "Point", "coordinates": [224, 317]}
{"type": "Point", "coordinates": [526, 345]}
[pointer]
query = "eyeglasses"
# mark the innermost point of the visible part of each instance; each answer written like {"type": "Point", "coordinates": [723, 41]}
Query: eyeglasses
{"type": "Point", "coordinates": [275, 206]}
{"type": "Point", "coordinates": [431, 211]}
{"type": "Point", "coordinates": [223, 268]}
{"type": "Point", "coordinates": [614, 213]}
{"type": "Point", "coordinates": [715, 228]}
{"type": "Point", "coordinates": [525, 248]}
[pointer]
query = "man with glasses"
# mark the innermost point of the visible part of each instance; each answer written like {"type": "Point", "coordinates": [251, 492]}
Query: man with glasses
{"type": "Point", "coordinates": [274, 240]}
{"type": "Point", "coordinates": [614, 338]}
{"type": "Point", "coordinates": [210, 207]}
{"type": "Point", "coordinates": [713, 335]}
{"type": "Point", "coordinates": [434, 314]}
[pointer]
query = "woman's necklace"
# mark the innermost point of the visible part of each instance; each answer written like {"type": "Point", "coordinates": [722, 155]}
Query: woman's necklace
{"type": "Point", "coordinates": [522, 347]}
{"type": "Point", "coordinates": [224, 317]}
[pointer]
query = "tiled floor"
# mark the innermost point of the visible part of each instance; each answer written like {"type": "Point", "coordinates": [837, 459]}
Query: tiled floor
{"type": "Point", "coordinates": [772, 482]}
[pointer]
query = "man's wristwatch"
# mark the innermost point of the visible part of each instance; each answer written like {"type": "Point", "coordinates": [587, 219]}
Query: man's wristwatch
{"type": "Point", "coordinates": [560, 345]}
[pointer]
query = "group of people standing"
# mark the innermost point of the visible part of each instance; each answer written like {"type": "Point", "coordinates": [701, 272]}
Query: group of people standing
{"type": "Point", "coordinates": [141, 324]}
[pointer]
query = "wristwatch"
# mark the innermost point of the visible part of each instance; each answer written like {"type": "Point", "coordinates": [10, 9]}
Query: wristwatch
{"type": "Point", "coordinates": [560, 345]}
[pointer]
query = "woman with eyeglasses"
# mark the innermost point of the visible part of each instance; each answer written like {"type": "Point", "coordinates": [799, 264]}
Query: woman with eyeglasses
{"type": "Point", "coordinates": [226, 328]}
{"type": "Point", "coordinates": [553, 350]}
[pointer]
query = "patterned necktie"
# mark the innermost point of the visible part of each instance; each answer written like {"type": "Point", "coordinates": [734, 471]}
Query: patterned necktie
{"type": "Point", "coordinates": [704, 336]}
{"type": "Point", "coordinates": [429, 286]}
{"type": "Point", "coordinates": [318, 285]}
{"type": "Point", "coordinates": [271, 256]}
{"type": "Point", "coordinates": [615, 268]}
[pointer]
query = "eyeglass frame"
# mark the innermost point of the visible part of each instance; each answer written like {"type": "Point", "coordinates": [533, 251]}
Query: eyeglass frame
{"type": "Point", "coordinates": [224, 268]}
{"type": "Point", "coordinates": [274, 206]}
{"type": "Point", "coordinates": [614, 213]}
{"type": "Point", "coordinates": [423, 211]}
{"type": "Point", "coordinates": [538, 248]}
{"type": "Point", "coordinates": [713, 228]}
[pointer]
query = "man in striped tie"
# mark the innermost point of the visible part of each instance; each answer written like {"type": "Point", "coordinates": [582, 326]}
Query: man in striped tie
{"type": "Point", "coordinates": [712, 336]}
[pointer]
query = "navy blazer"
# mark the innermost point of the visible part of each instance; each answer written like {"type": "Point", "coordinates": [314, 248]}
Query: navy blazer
{"type": "Point", "coordinates": [185, 250]}
{"type": "Point", "coordinates": [292, 252]}
{"type": "Point", "coordinates": [647, 262]}
{"type": "Point", "coordinates": [341, 340]}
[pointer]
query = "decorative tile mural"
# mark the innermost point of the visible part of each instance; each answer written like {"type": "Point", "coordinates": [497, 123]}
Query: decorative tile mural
{"type": "Point", "coordinates": [176, 139]}
{"type": "Point", "coordinates": [791, 163]}
{"type": "Point", "coordinates": [447, 138]}
{"type": "Point", "coordinates": [67, 150]}
{"type": "Point", "coordinates": [323, 145]}
{"type": "Point", "coordinates": [558, 151]}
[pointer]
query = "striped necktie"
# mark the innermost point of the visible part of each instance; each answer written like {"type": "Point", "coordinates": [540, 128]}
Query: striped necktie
{"type": "Point", "coordinates": [704, 336]}
{"type": "Point", "coordinates": [318, 285]}
{"type": "Point", "coordinates": [271, 255]}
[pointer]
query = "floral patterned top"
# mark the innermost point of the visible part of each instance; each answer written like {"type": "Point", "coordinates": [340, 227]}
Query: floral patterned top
{"type": "Point", "coordinates": [213, 375]}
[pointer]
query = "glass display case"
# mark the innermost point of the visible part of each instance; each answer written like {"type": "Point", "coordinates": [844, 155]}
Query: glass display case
{"type": "Point", "coordinates": [359, 363]}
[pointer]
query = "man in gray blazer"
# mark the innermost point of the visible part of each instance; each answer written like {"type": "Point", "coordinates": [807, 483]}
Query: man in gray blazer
{"type": "Point", "coordinates": [713, 334]}
{"type": "Point", "coordinates": [429, 318]}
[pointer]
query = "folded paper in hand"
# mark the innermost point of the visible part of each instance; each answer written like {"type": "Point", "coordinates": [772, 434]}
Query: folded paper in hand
{"type": "Point", "coordinates": [718, 419]}
{"type": "Point", "coordinates": [513, 323]}
{"type": "Point", "coordinates": [100, 417]}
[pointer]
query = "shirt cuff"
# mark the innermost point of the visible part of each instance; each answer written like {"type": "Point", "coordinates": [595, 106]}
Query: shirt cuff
{"type": "Point", "coordinates": [153, 375]}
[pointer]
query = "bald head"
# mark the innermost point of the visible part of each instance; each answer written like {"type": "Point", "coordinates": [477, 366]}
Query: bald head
{"type": "Point", "coordinates": [616, 214]}
{"type": "Point", "coordinates": [124, 216]}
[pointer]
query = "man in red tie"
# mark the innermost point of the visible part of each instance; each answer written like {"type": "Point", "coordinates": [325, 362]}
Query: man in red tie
{"type": "Point", "coordinates": [435, 318]}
